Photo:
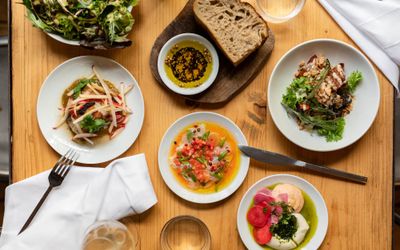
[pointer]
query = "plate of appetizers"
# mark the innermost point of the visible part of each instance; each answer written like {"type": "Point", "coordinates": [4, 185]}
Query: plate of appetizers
{"type": "Point", "coordinates": [199, 158]}
{"type": "Point", "coordinates": [93, 105]}
{"type": "Point", "coordinates": [323, 95]}
{"type": "Point", "coordinates": [282, 212]}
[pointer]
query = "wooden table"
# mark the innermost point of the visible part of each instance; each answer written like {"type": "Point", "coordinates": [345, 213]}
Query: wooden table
{"type": "Point", "coordinates": [359, 216]}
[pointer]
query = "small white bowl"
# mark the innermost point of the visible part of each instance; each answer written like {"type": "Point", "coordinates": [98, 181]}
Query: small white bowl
{"type": "Point", "coordinates": [163, 54]}
{"type": "Point", "coordinates": [365, 105]}
{"type": "Point", "coordinates": [170, 179]}
{"type": "Point", "coordinates": [305, 186]}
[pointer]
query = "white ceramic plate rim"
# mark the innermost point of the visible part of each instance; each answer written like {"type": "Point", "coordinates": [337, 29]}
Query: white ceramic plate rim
{"type": "Point", "coordinates": [308, 188]}
{"type": "Point", "coordinates": [169, 178]}
{"type": "Point", "coordinates": [330, 146]}
{"type": "Point", "coordinates": [105, 151]}
{"type": "Point", "coordinates": [166, 48]}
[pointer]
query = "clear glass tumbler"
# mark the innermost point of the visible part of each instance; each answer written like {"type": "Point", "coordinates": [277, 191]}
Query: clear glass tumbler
{"type": "Point", "coordinates": [279, 11]}
{"type": "Point", "coordinates": [110, 235]}
{"type": "Point", "coordinates": [185, 232]}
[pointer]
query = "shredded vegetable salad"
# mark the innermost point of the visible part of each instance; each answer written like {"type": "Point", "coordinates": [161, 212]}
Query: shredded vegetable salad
{"type": "Point", "coordinates": [93, 107]}
{"type": "Point", "coordinates": [320, 96]}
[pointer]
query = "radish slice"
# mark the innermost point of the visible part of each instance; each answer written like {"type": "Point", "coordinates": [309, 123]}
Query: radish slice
{"type": "Point", "coordinates": [257, 217]}
{"type": "Point", "coordinates": [262, 235]}
{"type": "Point", "coordinates": [265, 191]}
{"type": "Point", "coordinates": [260, 197]}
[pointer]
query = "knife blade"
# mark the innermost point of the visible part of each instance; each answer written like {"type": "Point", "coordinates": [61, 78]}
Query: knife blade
{"type": "Point", "coordinates": [282, 160]}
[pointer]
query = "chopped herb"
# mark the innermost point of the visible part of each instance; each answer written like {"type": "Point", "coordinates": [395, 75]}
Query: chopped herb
{"type": "Point", "coordinates": [205, 136]}
{"type": "Point", "coordinates": [92, 125]}
{"type": "Point", "coordinates": [189, 135]}
{"type": "Point", "coordinates": [222, 142]}
{"type": "Point", "coordinates": [81, 85]}
{"type": "Point", "coordinates": [222, 155]}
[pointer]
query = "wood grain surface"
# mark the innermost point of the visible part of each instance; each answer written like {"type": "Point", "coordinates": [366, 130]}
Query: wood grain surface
{"type": "Point", "coordinates": [359, 216]}
{"type": "Point", "coordinates": [230, 79]}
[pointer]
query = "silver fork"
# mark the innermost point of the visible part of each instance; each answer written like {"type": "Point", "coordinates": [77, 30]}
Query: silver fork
{"type": "Point", "coordinates": [56, 177]}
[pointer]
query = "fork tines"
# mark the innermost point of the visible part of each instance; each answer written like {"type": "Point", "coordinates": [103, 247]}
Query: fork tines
{"type": "Point", "coordinates": [63, 165]}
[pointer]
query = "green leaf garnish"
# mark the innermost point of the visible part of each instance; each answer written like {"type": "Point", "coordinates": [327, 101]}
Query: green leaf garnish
{"type": "Point", "coordinates": [353, 80]}
{"type": "Point", "coordinates": [92, 125]}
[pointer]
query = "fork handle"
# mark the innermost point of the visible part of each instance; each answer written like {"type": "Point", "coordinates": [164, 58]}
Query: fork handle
{"type": "Point", "coordinates": [36, 209]}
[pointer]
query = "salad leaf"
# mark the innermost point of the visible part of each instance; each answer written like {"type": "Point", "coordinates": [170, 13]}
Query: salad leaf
{"type": "Point", "coordinates": [331, 129]}
{"type": "Point", "coordinates": [94, 23]}
{"type": "Point", "coordinates": [81, 85]}
{"type": "Point", "coordinates": [296, 92]}
{"type": "Point", "coordinates": [353, 80]}
{"type": "Point", "coordinates": [92, 125]}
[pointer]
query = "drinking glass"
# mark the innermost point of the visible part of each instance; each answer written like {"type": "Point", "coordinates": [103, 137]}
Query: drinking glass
{"type": "Point", "coordinates": [110, 235]}
{"type": "Point", "coordinates": [185, 232]}
{"type": "Point", "coordinates": [278, 11]}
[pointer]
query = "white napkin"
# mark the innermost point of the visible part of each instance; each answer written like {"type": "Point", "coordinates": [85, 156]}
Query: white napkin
{"type": "Point", "coordinates": [374, 27]}
{"type": "Point", "coordinates": [86, 195]}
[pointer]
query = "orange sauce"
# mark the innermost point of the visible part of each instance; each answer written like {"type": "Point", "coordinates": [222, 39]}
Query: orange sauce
{"type": "Point", "coordinates": [230, 170]}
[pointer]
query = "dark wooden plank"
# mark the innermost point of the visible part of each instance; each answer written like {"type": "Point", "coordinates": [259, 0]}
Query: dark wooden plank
{"type": "Point", "coordinates": [230, 80]}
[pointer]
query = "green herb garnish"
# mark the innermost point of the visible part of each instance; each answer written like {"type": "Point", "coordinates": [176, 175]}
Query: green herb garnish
{"type": "Point", "coordinates": [92, 125]}
{"type": "Point", "coordinates": [353, 80]}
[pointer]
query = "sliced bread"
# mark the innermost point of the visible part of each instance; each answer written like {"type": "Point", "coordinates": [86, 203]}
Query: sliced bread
{"type": "Point", "coordinates": [235, 26]}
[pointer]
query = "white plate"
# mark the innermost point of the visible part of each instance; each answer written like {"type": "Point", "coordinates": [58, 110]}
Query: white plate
{"type": "Point", "coordinates": [366, 102]}
{"type": "Point", "coordinates": [163, 54]}
{"type": "Point", "coordinates": [50, 99]}
{"type": "Point", "coordinates": [308, 188]}
{"type": "Point", "coordinates": [164, 149]}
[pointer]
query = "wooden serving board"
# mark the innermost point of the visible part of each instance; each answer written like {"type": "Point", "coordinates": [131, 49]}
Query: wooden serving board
{"type": "Point", "coordinates": [230, 79]}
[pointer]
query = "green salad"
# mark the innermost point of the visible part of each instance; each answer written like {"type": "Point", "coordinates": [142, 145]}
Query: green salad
{"type": "Point", "coordinates": [99, 24]}
{"type": "Point", "coordinates": [320, 96]}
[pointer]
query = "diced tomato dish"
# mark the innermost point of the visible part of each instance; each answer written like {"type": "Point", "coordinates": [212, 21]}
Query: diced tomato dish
{"type": "Point", "coordinates": [202, 156]}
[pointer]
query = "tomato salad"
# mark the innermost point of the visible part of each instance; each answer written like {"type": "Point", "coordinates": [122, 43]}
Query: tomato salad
{"type": "Point", "coordinates": [203, 156]}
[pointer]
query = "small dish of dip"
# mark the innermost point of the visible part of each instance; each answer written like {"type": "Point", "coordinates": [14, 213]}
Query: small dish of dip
{"type": "Point", "coordinates": [188, 64]}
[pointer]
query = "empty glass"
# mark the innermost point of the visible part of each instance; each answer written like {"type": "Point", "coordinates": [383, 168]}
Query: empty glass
{"type": "Point", "coordinates": [185, 233]}
{"type": "Point", "coordinates": [278, 11]}
{"type": "Point", "coordinates": [110, 235]}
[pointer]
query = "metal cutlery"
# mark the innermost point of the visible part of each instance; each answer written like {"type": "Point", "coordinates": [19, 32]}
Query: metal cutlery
{"type": "Point", "coordinates": [282, 160]}
{"type": "Point", "coordinates": [56, 177]}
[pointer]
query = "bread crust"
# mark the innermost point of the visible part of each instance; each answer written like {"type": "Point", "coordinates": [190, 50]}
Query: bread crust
{"type": "Point", "coordinates": [262, 33]}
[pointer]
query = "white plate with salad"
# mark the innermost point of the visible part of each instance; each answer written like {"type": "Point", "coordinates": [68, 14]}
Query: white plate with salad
{"type": "Point", "coordinates": [199, 158]}
{"type": "Point", "coordinates": [93, 105]}
{"type": "Point", "coordinates": [282, 212]}
{"type": "Point", "coordinates": [323, 95]}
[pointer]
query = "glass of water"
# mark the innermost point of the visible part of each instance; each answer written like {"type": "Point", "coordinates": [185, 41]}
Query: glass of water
{"type": "Point", "coordinates": [110, 235]}
{"type": "Point", "coordinates": [279, 11]}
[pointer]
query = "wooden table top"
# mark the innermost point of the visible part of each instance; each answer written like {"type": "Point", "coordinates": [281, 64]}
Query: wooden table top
{"type": "Point", "coordinates": [359, 216]}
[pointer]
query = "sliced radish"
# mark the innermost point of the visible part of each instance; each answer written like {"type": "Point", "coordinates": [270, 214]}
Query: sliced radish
{"type": "Point", "coordinates": [262, 235]}
{"type": "Point", "coordinates": [257, 217]}
{"type": "Point", "coordinates": [260, 197]}
{"type": "Point", "coordinates": [265, 191]}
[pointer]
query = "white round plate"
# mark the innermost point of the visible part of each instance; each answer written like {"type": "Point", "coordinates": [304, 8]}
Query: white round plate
{"type": "Point", "coordinates": [163, 54]}
{"type": "Point", "coordinates": [365, 105]}
{"type": "Point", "coordinates": [50, 99]}
{"type": "Point", "coordinates": [308, 188]}
{"type": "Point", "coordinates": [165, 146]}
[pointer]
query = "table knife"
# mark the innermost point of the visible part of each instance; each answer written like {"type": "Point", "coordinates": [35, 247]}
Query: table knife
{"type": "Point", "coordinates": [282, 160]}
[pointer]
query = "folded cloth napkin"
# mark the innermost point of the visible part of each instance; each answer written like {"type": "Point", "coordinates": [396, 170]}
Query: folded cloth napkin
{"type": "Point", "coordinates": [86, 195]}
{"type": "Point", "coordinates": [373, 26]}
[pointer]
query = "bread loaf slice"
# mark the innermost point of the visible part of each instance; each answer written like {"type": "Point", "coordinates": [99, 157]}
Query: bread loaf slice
{"type": "Point", "coordinates": [235, 26]}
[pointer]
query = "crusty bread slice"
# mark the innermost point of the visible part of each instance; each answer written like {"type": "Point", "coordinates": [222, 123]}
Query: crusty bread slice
{"type": "Point", "coordinates": [235, 26]}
